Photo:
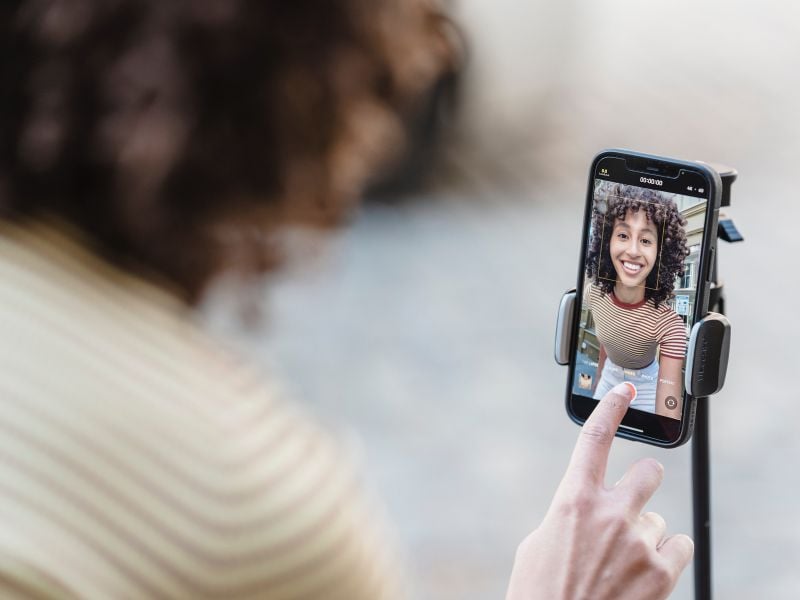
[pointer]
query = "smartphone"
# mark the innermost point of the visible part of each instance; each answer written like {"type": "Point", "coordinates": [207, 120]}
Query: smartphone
{"type": "Point", "coordinates": [647, 249]}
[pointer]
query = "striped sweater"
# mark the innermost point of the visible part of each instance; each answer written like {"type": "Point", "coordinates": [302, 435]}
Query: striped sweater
{"type": "Point", "coordinates": [140, 460]}
{"type": "Point", "coordinates": [631, 333]}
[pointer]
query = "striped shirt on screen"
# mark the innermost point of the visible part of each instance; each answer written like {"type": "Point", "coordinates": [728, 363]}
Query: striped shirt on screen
{"type": "Point", "coordinates": [631, 333]}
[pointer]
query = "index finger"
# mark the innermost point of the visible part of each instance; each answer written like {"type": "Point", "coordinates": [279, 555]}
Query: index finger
{"type": "Point", "coordinates": [590, 456]}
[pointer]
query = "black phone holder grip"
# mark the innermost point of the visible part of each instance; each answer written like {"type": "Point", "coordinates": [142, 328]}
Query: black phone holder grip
{"type": "Point", "coordinates": [706, 357]}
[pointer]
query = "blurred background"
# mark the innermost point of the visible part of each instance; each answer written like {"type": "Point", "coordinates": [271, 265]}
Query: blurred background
{"type": "Point", "coordinates": [422, 333]}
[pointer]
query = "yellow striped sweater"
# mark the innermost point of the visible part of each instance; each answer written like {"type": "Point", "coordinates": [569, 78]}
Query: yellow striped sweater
{"type": "Point", "coordinates": [140, 460]}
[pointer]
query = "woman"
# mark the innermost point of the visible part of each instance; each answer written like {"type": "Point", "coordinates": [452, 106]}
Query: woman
{"type": "Point", "coordinates": [145, 148]}
{"type": "Point", "coordinates": [636, 251]}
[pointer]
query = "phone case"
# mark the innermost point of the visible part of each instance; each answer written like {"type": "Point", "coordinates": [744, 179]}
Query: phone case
{"type": "Point", "coordinates": [704, 275]}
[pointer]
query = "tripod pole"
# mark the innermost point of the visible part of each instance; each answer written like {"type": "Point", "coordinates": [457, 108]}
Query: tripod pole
{"type": "Point", "coordinates": [701, 471]}
{"type": "Point", "coordinates": [701, 503]}
{"type": "Point", "coordinates": [701, 476]}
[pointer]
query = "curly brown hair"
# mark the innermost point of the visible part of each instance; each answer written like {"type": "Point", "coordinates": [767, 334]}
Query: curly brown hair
{"type": "Point", "coordinates": [178, 134]}
{"type": "Point", "coordinates": [614, 201]}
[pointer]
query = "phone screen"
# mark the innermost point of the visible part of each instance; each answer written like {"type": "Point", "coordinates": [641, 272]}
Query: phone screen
{"type": "Point", "coordinates": [640, 291]}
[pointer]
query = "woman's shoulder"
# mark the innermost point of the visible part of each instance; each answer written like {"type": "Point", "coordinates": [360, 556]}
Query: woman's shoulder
{"type": "Point", "coordinates": [667, 317]}
{"type": "Point", "coordinates": [592, 291]}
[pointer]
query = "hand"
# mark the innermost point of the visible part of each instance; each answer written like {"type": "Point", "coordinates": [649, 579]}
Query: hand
{"type": "Point", "coordinates": [594, 542]}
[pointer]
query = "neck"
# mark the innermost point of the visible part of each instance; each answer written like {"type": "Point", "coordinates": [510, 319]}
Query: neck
{"type": "Point", "coordinates": [629, 295]}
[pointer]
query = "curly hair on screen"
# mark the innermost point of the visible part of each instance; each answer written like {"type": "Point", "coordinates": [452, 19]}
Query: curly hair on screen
{"type": "Point", "coordinates": [614, 202]}
{"type": "Point", "coordinates": [178, 134]}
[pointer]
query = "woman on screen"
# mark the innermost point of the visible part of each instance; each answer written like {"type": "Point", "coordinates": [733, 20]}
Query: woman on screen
{"type": "Point", "coordinates": [636, 251]}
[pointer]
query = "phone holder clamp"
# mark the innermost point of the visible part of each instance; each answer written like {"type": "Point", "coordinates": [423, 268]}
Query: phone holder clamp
{"type": "Point", "coordinates": [706, 357]}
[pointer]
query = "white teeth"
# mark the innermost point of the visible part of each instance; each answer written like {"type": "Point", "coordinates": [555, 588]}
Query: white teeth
{"type": "Point", "coordinates": [631, 266]}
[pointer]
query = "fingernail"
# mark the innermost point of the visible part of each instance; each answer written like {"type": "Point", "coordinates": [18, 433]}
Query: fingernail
{"type": "Point", "coordinates": [625, 389]}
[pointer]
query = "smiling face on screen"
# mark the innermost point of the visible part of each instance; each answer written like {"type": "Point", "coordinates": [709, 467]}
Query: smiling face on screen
{"type": "Point", "coordinates": [633, 248]}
